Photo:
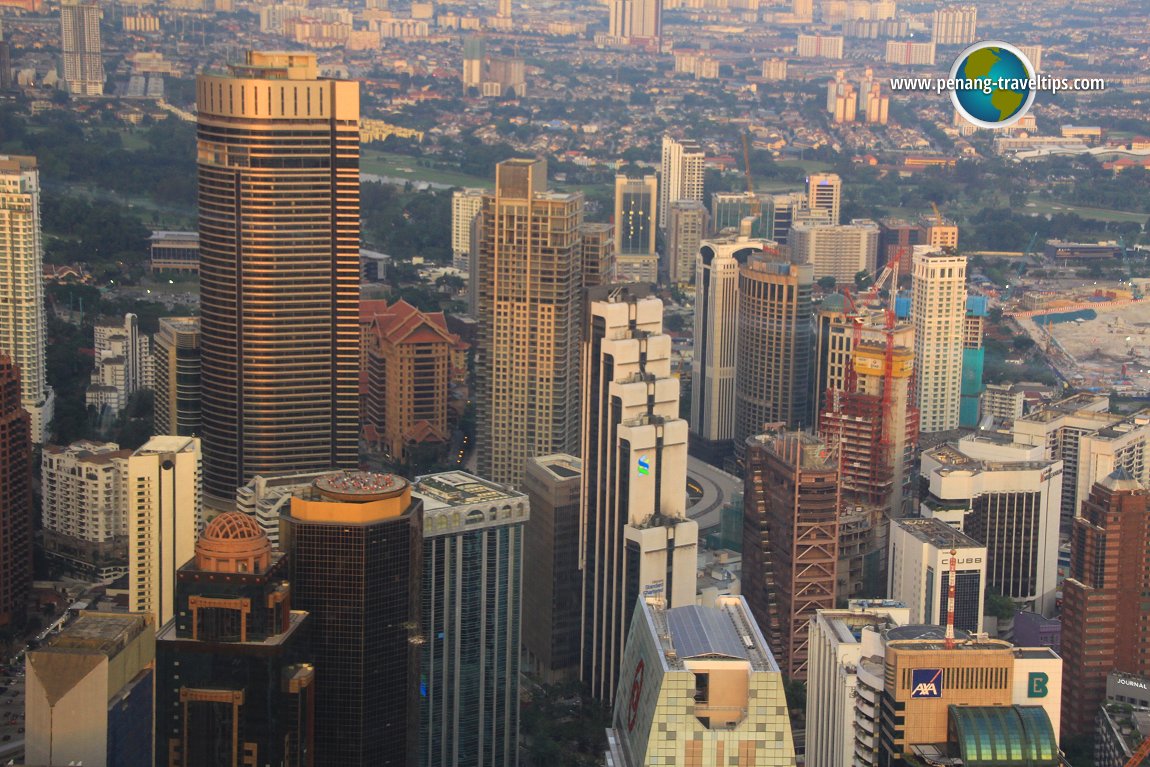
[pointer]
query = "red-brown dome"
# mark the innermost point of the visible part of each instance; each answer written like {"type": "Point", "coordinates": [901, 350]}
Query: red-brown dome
{"type": "Point", "coordinates": [233, 542]}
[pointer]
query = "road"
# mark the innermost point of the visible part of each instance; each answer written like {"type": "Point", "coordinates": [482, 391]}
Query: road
{"type": "Point", "coordinates": [719, 488]}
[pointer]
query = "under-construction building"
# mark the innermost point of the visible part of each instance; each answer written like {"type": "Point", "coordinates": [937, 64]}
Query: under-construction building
{"type": "Point", "coordinates": [790, 539]}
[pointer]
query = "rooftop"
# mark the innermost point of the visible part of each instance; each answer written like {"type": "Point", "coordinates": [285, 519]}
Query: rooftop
{"type": "Point", "coordinates": [103, 633]}
{"type": "Point", "coordinates": [952, 458]}
{"type": "Point", "coordinates": [937, 533]}
{"type": "Point", "coordinates": [452, 489]}
{"type": "Point", "coordinates": [725, 631]}
{"type": "Point", "coordinates": [561, 465]}
{"type": "Point", "coordinates": [166, 444]}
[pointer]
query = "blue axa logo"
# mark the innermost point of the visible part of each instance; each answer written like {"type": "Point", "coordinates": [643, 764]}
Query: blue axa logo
{"type": "Point", "coordinates": [926, 683]}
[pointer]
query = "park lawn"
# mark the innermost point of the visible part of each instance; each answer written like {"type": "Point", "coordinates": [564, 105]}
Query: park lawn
{"type": "Point", "coordinates": [1042, 207]}
{"type": "Point", "coordinates": [401, 166]}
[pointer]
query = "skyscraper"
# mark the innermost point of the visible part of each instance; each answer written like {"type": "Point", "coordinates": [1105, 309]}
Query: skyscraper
{"type": "Point", "coordinates": [836, 250]}
{"type": "Point", "coordinates": [356, 545]}
{"type": "Point", "coordinates": [80, 42]}
{"type": "Point", "coordinates": [232, 671]}
{"type": "Point", "coordinates": [636, 539]}
{"type": "Point", "coordinates": [790, 539]}
{"type": "Point", "coordinates": [527, 362]}
{"type": "Point", "coordinates": [938, 310]}
{"type": "Point", "coordinates": [920, 554]}
{"type": "Point", "coordinates": [598, 254]}
{"type": "Point", "coordinates": [775, 339]}
{"type": "Point", "coordinates": [465, 205]}
{"type": "Point", "coordinates": [825, 190]}
{"type": "Point", "coordinates": [15, 498]}
{"type": "Point", "coordinates": [473, 558]}
{"type": "Point", "coordinates": [23, 325]}
{"type": "Point", "coordinates": [638, 22]}
{"type": "Point", "coordinates": [635, 257]}
{"type": "Point", "coordinates": [686, 227]}
{"type": "Point", "coordinates": [1104, 626]}
{"type": "Point", "coordinates": [279, 270]}
{"type": "Point", "coordinates": [176, 355]}
{"type": "Point", "coordinates": [955, 25]}
{"type": "Point", "coordinates": [161, 488]}
{"type": "Point", "coordinates": [682, 175]}
{"type": "Point", "coordinates": [716, 317]}
{"type": "Point", "coordinates": [552, 582]}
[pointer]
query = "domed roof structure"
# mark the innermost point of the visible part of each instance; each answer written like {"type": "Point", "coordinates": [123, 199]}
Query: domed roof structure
{"type": "Point", "coordinates": [233, 542]}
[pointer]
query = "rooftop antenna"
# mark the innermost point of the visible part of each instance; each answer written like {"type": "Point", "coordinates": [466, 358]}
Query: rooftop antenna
{"type": "Point", "coordinates": [950, 600]}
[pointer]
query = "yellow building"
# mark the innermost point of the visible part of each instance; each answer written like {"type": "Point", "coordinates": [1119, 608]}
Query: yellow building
{"type": "Point", "coordinates": [699, 688]}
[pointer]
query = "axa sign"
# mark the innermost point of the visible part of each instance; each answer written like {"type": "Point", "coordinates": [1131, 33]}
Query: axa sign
{"type": "Point", "coordinates": [926, 683]}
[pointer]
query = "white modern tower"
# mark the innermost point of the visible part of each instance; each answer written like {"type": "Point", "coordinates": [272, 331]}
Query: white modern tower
{"type": "Point", "coordinates": [23, 330]}
{"type": "Point", "coordinates": [80, 41]}
{"type": "Point", "coordinates": [938, 312]}
{"type": "Point", "coordinates": [682, 175]}
{"type": "Point", "coordinates": [635, 537]}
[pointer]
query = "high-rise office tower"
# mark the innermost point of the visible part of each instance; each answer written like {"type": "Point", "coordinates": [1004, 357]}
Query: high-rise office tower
{"type": "Point", "coordinates": [15, 498]}
{"type": "Point", "coordinates": [356, 545]}
{"type": "Point", "coordinates": [825, 190]}
{"type": "Point", "coordinates": [473, 558]}
{"type": "Point", "coordinates": [161, 488]}
{"type": "Point", "coordinates": [836, 250]}
{"type": "Point", "coordinates": [465, 205]}
{"type": "Point", "coordinates": [552, 582]}
{"type": "Point", "coordinates": [527, 361]}
{"type": "Point", "coordinates": [955, 25]}
{"type": "Point", "coordinates": [686, 226]}
{"type": "Point", "coordinates": [80, 43]}
{"type": "Point", "coordinates": [635, 256]}
{"type": "Point", "coordinates": [920, 554]}
{"type": "Point", "coordinates": [23, 325]}
{"type": "Point", "coordinates": [1006, 496]}
{"type": "Point", "coordinates": [775, 339]}
{"type": "Point", "coordinates": [279, 270]}
{"type": "Point", "coordinates": [682, 175]}
{"type": "Point", "coordinates": [89, 693]}
{"type": "Point", "coordinates": [176, 354]}
{"type": "Point", "coordinates": [785, 210]}
{"type": "Point", "coordinates": [233, 681]}
{"type": "Point", "coordinates": [1104, 625]}
{"type": "Point", "coordinates": [716, 332]}
{"type": "Point", "coordinates": [636, 538]}
{"type": "Point", "coordinates": [938, 310]}
{"type": "Point", "coordinates": [790, 539]}
{"type": "Point", "coordinates": [598, 254]}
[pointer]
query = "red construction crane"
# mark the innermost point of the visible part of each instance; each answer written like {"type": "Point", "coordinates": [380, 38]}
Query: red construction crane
{"type": "Point", "coordinates": [1139, 755]}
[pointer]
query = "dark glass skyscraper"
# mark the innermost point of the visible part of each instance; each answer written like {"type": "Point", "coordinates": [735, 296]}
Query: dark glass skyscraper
{"type": "Point", "coordinates": [279, 270]}
{"type": "Point", "coordinates": [355, 541]}
{"type": "Point", "coordinates": [15, 497]}
{"type": "Point", "coordinates": [233, 686]}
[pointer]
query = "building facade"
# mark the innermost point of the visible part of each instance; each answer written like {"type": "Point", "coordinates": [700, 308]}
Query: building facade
{"type": "Point", "coordinates": [527, 361]}
{"type": "Point", "coordinates": [176, 386]}
{"type": "Point", "coordinates": [775, 340]}
{"type": "Point", "coordinates": [838, 251]}
{"type": "Point", "coordinates": [955, 25]}
{"type": "Point", "coordinates": [465, 205]}
{"type": "Point", "coordinates": [82, 52]}
{"type": "Point", "coordinates": [279, 270]}
{"type": "Point", "coordinates": [938, 311]}
{"type": "Point", "coordinates": [921, 551]}
{"type": "Point", "coordinates": [699, 686]}
{"type": "Point", "coordinates": [162, 489]}
{"type": "Point", "coordinates": [124, 364]}
{"type": "Point", "coordinates": [89, 693]}
{"type": "Point", "coordinates": [686, 227]}
{"type": "Point", "coordinates": [790, 539]}
{"type": "Point", "coordinates": [825, 191]}
{"type": "Point", "coordinates": [85, 530]}
{"type": "Point", "coordinates": [682, 175]}
{"type": "Point", "coordinates": [473, 558]}
{"type": "Point", "coordinates": [23, 323]}
{"type": "Point", "coordinates": [552, 581]}
{"type": "Point", "coordinates": [356, 545]}
{"type": "Point", "coordinates": [1007, 497]}
{"type": "Point", "coordinates": [598, 254]}
{"type": "Point", "coordinates": [15, 498]}
{"type": "Point", "coordinates": [636, 538]}
{"type": "Point", "coordinates": [233, 683]}
{"type": "Point", "coordinates": [635, 256]}
{"type": "Point", "coordinates": [1109, 565]}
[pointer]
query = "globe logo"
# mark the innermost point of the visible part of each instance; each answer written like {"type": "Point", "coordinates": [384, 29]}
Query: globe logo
{"type": "Point", "coordinates": [999, 84]}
